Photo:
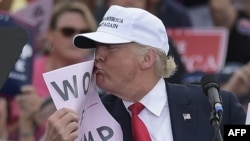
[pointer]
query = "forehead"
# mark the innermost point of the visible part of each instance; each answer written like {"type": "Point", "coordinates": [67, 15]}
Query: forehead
{"type": "Point", "coordinates": [71, 18]}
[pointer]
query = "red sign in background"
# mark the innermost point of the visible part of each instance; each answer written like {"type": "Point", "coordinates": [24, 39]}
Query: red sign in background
{"type": "Point", "coordinates": [201, 49]}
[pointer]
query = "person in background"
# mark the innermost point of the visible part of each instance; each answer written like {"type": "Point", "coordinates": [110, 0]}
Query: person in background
{"type": "Point", "coordinates": [198, 11]}
{"type": "Point", "coordinates": [92, 5]}
{"type": "Point", "coordinates": [169, 111]}
{"type": "Point", "coordinates": [237, 21]}
{"type": "Point", "coordinates": [172, 14]}
{"type": "Point", "coordinates": [239, 83]}
{"type": "Point", "coordinates": [36, 123]}
{"type": "Point", "coordinates": [67, 20]}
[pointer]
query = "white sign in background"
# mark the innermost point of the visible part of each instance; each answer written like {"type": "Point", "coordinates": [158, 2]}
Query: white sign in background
{"type": "Point", "coordinates": [71, 87]}
{"type": "Point", "coordinates": [37, 14]}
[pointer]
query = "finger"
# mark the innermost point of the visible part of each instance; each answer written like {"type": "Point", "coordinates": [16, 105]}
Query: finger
{"type": "Point", "coordinates": [27, 98]}
{"type": "Point", "coordinates": [63, 137]}
{"type": "Point", "coordinates": [61, 118]}
{"type": "Point", "coordinates": [61, 112]}
{"type": "Point", "coordinates": [71, 131]}
{"type": "Point", "coordinates": [23, 97]}
{"type": "Point", "coordinates": [73, 135]}
{"type": "Point", "coordinates": [68, 119]}
{"type": "Point", "coordinates": [62, 124]}
{"type": "Point", "coordinates": [22, 101]}
{"type": "Point", "coordinates": [26, 89]}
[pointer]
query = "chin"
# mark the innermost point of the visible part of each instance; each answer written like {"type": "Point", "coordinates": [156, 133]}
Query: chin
{"type": "Point", "coordinates": [99, 81]}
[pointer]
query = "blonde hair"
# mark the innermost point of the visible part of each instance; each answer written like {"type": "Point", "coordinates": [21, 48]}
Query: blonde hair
{"type": "Point", "coordinates": [165, 65]}
{"type": "Point", "coordinates": [72, 6]}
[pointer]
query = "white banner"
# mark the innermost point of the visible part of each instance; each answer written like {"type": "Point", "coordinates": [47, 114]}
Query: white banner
{"type": "Point", "coordinates": [71, 87]}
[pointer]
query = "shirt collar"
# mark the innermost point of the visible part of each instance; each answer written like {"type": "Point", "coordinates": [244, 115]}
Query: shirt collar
{"type": "Point", "coordinates": [155, 99]}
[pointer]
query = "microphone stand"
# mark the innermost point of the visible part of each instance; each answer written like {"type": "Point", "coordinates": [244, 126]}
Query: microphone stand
{"type": "Point", "coordinates": [215, 121]}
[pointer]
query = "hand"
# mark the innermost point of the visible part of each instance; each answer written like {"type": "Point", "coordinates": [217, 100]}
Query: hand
{"type": "Point", "coordinates": [239, 83]}
{"type": "Point", "coordinates": [29, 102]}
{"type": "Point", "coordinates": [62, 126]}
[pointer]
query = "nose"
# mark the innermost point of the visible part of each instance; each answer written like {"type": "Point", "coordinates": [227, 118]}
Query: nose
{"type": "Point", "coordinates": [100, 53]}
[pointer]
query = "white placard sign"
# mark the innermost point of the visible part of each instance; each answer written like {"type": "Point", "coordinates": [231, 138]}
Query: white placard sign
{"type": "Point", "coordinates": [73, 87]}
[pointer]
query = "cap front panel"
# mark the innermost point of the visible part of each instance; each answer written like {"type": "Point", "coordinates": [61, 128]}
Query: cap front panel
{"type": "Point", "coordinates": [116, 22]}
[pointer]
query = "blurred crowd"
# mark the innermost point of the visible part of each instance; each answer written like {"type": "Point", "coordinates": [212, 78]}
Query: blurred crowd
{"type": "Point", "coordinates": [23, 118]}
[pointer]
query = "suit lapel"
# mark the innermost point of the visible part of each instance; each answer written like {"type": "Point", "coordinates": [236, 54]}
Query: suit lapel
{"type": "Point", "coordinates": [123, 118]}
{"type": "Point", "coordinates": [182, 113]}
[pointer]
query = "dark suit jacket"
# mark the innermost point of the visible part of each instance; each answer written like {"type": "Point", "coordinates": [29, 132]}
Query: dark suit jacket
{"type": "Point", "coordinates": [184, 99]}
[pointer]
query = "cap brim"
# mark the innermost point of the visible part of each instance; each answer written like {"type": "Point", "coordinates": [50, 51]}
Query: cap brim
{"type": "Point", "coordinates": [88, 40]}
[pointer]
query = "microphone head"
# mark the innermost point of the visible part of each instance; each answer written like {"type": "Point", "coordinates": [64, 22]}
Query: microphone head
{"type": "Point", "coordinates": [209, 81]}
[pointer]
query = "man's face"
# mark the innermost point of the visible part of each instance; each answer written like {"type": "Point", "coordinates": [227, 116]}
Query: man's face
{"type": "Point", "coordinates": [116, 66]}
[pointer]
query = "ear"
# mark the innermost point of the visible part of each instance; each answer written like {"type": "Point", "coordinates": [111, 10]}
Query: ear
{"type": "Point", "coordinates": [149, 58]}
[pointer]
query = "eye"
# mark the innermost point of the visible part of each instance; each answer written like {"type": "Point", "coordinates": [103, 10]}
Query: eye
{"type": "Point", "coordinates": [111, 47]}
{"type": "Point", "coordinates": [97, 44]}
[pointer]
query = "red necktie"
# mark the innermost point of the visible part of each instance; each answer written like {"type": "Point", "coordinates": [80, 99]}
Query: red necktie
{"type": "Point", "coordinates": [139, 130]}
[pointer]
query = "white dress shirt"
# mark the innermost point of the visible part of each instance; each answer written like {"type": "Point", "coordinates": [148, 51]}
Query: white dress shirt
{"type": "Point", "coordinates": [155, 115]}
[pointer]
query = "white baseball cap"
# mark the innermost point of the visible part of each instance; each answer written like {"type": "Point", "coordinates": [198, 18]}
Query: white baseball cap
{"type": "Point", "coordinates": [126, 25]}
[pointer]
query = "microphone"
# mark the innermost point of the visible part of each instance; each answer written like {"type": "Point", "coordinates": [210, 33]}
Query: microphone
{"type": "Point", "coordinates": [211, 88]}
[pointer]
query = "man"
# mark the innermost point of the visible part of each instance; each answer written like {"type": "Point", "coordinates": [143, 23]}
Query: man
{"type": "Point", "coordinates": [237, 20]}
{"type": "Point", "coordinates": [131, 63]}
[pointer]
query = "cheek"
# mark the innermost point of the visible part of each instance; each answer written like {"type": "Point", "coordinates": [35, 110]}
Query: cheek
{"type": "Point", "coordinates": [125, 67]}
{"type": "Point", "coordinates": [59, 43]}
{"type": "Point", "coordinates": [117, 72]}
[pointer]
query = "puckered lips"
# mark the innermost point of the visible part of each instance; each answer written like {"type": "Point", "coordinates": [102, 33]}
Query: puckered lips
{"type": "Point", "coordinates": [97, 69]}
